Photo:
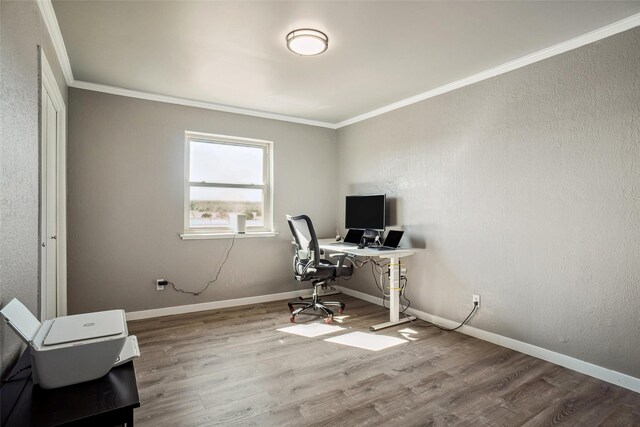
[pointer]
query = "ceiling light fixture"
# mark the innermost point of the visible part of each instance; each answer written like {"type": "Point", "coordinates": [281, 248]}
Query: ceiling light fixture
{"type": "Point", "coordinates": [307, 42]}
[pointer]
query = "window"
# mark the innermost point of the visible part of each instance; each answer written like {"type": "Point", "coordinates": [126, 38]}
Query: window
{"type": "Point", "coordinates": [226, 176]}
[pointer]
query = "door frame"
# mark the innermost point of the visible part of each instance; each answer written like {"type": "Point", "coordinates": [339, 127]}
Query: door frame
{"type": "Point", "coordinates": [50, 84]}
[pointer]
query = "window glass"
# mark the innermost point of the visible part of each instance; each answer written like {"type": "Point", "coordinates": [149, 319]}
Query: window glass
{"type": "Point", "coordinates": [216, 206]}
{"type": "Point", "coordinates": [224, 163]}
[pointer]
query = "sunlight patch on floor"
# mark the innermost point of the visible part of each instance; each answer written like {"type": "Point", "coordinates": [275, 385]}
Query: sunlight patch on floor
{"type": "Point", "coordinates": [367, 341]}
{"type": "Point", "coordinates": [409, 334]}
{"type": "Point", "coordinates": [311, 330]}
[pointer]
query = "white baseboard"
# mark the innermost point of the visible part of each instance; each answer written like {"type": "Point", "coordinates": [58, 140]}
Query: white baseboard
{"type": "Point", "coordinates": [604, 374]}
{"type": "Point", "coordinates": [192, 308]}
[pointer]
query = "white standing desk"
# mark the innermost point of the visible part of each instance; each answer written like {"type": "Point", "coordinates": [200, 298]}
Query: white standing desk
{"type": "Point", "coordinates": [394, 279]}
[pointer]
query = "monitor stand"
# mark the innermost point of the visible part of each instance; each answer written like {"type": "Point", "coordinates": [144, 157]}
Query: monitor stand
{"type": "Point", "coordinates": [369, 237]}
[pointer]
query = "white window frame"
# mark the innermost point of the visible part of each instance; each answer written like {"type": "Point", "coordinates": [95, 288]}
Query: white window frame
{"type": "Point", "coordinates": [267, 186]}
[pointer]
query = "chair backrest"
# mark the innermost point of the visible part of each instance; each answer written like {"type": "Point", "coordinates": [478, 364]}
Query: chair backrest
{"type": "Point", "coordinates": [305, 238]}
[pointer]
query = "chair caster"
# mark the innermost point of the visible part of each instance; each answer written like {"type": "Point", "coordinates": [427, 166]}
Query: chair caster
{"type": "Point", "coordinates": [328, 319]}
{"type": "Point", "coordinates": [292, 319]}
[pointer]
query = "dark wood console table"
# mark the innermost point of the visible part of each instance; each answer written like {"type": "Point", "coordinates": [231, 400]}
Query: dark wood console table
{"type": "Point", "coordinates": [107, 401]}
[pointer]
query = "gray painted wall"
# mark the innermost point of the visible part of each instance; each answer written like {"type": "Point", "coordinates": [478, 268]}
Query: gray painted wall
{"type": "Point", "coordinates": [21, 31]}
{"type": "Point", "coordinates": [125, 191]}
{"type": "Point", "coordinates": [524, 189]}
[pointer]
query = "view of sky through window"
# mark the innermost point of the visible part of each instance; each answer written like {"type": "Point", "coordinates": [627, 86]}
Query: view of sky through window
{"type": "Point", "coordinates": [222, 163]}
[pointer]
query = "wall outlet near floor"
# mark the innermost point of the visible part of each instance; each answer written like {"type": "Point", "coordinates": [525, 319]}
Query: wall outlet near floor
{"type": "Point", "coordinates": [160, 284]}
{"type": "Point", "coordinates": [476, 299]}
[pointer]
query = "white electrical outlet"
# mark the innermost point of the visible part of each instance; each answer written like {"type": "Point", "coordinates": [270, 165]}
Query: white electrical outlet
{"type": "Point", "coordinates": [160, 287]}
{"type": "Point", "coordinates": [476, 299]}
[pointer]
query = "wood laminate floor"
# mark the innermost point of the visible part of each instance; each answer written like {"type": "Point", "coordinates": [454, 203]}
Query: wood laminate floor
{"type": "Point", "coordinates": [232, 367]}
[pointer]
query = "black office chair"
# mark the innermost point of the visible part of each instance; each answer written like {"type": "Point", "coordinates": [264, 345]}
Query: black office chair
{"type": "Point", "coordinates": [307, 265]}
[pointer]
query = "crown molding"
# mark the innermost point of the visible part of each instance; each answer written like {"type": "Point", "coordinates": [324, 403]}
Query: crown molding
{"type": "Point", "coordinates": [46, 8]}
{"type": "Point", "coordinates": [51, 22]}
{"type": "Point", "coordinates": [593, 36]}
{"type": "Point", "coordinates": [113, 90]}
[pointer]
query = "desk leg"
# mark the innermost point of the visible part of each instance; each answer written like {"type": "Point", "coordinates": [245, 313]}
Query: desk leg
{"type": "Point", "coordinates": [394, 298]}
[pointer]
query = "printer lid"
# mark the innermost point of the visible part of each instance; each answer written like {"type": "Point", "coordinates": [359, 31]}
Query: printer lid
{"type": "Point", "coordinates": [86, 326]}
{"type": "Point", "coordinates": [21, 320]}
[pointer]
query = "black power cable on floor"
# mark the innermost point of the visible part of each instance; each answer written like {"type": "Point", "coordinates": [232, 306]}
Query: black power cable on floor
{"type": "Point", "coordinates": [442, 328]}
{"type": "Point", "coordinates": [403, 288]}
{"type": "Point", "coordinates": [403, 285]}
{"type": "Point", "coordinates": [211, 281]}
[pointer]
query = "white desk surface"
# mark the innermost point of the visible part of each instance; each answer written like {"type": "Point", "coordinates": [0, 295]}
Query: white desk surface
{"type": "Point", "coordinates": [329, 245]}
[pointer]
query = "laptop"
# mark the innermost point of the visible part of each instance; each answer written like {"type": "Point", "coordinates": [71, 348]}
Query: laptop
{"type": "Point", "coordinates": [352, 238]}
{"type": "Point", "coordinates": [391, 242]}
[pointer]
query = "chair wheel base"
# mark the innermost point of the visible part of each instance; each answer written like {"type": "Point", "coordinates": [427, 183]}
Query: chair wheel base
{"type": "Point", "coordinates": [318, 306]}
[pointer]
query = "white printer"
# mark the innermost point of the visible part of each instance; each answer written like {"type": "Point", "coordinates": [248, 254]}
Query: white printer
{"type": "Point", "coordinates": [72, 349]}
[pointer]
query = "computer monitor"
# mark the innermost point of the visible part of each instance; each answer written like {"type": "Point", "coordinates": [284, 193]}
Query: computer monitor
{"type": "Point", "coordinates": [365, 212]}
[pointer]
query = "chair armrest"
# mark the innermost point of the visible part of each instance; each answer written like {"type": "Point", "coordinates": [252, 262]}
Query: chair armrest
{"type": "Point", "coordinates": [341, 258]}
{"type": "Point", "coordinates": [338, 255]}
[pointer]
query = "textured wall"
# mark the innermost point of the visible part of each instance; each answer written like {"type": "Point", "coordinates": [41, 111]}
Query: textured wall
{"type": "Point", "coordinates": [21, 31]}
{"type": "Point", "coordinates": [523, 188]}
{"type": "Point", "coordinates": [125, 190]}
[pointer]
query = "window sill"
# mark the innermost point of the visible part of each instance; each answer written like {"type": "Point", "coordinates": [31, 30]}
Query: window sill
{"type": "Point", "coordinates": [227, 235]}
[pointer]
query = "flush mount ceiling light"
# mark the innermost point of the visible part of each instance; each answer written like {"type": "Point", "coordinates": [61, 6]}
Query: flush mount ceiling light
{"type": "Point", "coordinates": [307, 42]}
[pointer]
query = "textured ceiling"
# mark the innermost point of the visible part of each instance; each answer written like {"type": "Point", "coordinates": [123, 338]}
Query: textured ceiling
{"type": "Point", "coordinates": [233, 52]}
